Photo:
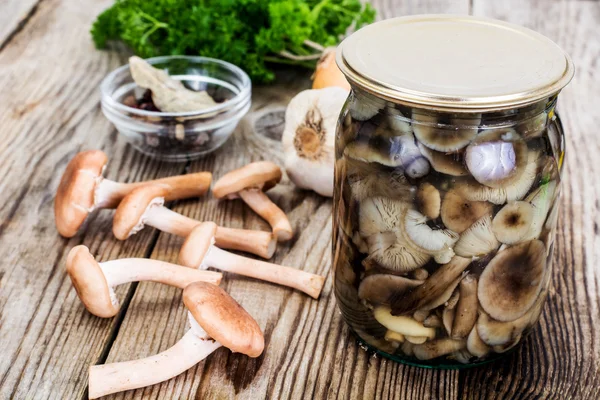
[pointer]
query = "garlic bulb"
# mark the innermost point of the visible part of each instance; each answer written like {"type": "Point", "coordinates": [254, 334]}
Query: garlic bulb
{"type": "Point", "coordinates": [309, 136]}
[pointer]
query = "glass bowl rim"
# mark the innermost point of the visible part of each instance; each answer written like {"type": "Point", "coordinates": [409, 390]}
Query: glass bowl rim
{"type": "Point", "coordinates": [243, 94]}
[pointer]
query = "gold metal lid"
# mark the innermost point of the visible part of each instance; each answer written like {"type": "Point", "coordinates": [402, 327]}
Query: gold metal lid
{"type": "Point", "coordinates": [456, 63]}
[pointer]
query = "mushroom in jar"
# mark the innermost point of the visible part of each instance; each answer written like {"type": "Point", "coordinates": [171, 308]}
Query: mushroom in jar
{"type": "Point", "coordinates": [381, 224]}
{"type": "Point", "coordinates": [511, 282]}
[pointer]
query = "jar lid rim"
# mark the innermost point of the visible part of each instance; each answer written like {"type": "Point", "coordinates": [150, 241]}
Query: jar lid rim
{"type": "Point", "coordinates": [454, 62]}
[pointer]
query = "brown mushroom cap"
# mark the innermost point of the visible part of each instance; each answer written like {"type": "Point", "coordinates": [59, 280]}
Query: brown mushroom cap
{"type": "Point", "coordinates": [75, 194]}
{"type": "Point", "coordinates": [509, 285]}
{"type": "Point", "coordinates": [133, 206]}
{"type": "Point", "coordinates": [458, 213]}
{"type": "Point", "coordinates": [223, 318]}
{"type": "Point", "coordinates": [90, 283]}
{"type": "Point", "coordinates": [197, 244]}
{"type": "Point", "coordinates": [262, 174]}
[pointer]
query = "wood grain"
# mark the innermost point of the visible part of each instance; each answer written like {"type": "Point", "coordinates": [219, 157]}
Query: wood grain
{"type": "Point", "coordinates": [14, 16]}
{"type": "Point", "coordinates": [50, 72]}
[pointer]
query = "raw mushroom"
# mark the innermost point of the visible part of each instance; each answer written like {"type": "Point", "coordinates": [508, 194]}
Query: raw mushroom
{"type": "Point", "coordinates": [168, 94]}
{"type": "Point", "coordinates": [458, 213]}
{"type": "Point", "coordinates": [216, 320]}
{"type": "Point", "coordinates": [466, 309]}
{"type": "Point", "coordinates": [95, 282]}
{"type": "Point", "coordinates": [401, 324]}
{"type": "Point", "coordinates": [478, 240]}
{"type": "Point", "coordinates": [429, 200]}
{"type": "Point", "coordinates": [199, 251]}
{"type": "Point", "coordinates": [381, 225]}
{"type": "Point", "coordinates": [511, 282]}
{"type": "Point", "coordinates": [437, 348]}
{"type": "Point", "coordinates": [438, 137]}
{"type": "Point", "coordinates": [249, 183]}
{"type": "Point", "coordinates": [144, 206]}
{"type": "Point", "coordinates": [430, 240]}
{"type": "Point", "coordinates": [515, 191]}
{"type": "Point", "coordinates": [497, 158]}
{"type": "Point", "coordinates": [445, 163]}
{"type": "Point", "coordinates": [433, 287]}
{"type": "Point", "coordinates": [380, 288]}
{"type": "Point", "coordinates": [309, 137]}
{"type": "Point", "coordinates": [513, 222]}
{"type": "Point", "coordinates": [83, 189]}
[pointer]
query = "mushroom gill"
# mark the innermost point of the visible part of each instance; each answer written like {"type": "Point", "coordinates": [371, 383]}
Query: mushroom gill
{"type": "Point", "coordinates": [381, 225]}
{"type": "Point", "coordinates": [424, 237]}
{"type": "Point", "coordinates": [478, 240]}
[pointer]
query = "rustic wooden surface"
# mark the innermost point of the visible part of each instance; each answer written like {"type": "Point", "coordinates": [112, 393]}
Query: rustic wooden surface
{"type": "Point", "coordinates": [49, 76]}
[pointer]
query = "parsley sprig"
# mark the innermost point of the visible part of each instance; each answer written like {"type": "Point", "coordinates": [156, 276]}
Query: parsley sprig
{"type": "Point", "coordinates": [252, 34]}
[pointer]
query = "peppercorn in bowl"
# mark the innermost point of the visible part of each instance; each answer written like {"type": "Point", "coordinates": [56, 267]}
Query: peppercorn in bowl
{"type": "Point", "coordinates": [176, 108]}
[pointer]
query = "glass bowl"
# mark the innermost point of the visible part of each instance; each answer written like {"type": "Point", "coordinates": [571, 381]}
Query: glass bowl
{"type": "Point", "coordinates": [186, 135]}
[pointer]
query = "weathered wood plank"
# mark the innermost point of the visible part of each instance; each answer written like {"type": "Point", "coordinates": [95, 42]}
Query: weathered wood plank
{"type": "Point", "coordinates": [50, 73]}
{"type": "Point", "coordinates": [14, 14]}
{"type": "Point", "coordinates": [560, 358]}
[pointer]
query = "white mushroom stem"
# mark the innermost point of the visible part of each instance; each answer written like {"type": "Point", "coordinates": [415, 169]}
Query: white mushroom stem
{"type": "Point", "coordinates": [256, 242]}
{"type": "Point", "coordinates": [263, 206]}
{"type": "Point", "coordinates": [306, 282]}
{"type": "Point", "coordinates": [125, 270]}
{"type": "Point", "coordinates": [117, 377]}
{"type": "Point", "coordinates": [108, 194]}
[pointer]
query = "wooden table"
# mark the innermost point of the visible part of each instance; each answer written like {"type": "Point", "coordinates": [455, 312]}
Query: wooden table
{"type": "Point", "coordinates": [49, 77]}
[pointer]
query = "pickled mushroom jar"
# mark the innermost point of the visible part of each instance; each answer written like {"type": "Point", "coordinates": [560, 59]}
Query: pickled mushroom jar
{"type": "Point", "coordinates": [448, 172]}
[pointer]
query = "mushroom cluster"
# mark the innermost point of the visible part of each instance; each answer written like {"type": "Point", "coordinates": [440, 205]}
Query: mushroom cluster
{"type": "Point", "coordinates": [216, 319]}
{"type": "Point", "coordinates": [444, 226]}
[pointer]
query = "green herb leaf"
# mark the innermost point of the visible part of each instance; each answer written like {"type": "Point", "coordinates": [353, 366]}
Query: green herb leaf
{"type": "Point", "coordinates": [252, 34]}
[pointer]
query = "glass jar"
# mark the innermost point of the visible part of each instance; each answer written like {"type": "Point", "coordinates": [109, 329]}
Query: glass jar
{"type": "Point", "coordinates": [445, 204]}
